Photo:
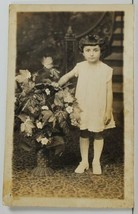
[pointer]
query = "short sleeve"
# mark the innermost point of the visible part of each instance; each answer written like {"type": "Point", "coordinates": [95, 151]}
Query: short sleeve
{"type": "Point", "coordinates": [109, 75]}
{"type": "Point", "coordinates": [75, 71]}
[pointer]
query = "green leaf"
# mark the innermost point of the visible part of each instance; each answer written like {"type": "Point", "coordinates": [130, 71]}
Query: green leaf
{"type": "Point", "coordinates": [58, 101]}
{"type": "Point", "coordinates": [27, 127]}
{"type": "Point", "coordinates": [60, 94]}
{"type": "Point", "coordinates": [26, 146]}
{"type": "Point", "coordinates": [65, 127]}
{"type": "Point", "coordinates": [48, 81]}
{"type": "Point", "coordinates": [61, 116]}
{"type": "Point", "coordinates": [52, 119]}
{"type": "Point", "coordinates": [76, 111]}
{"type": "Point", "coordinates": [46, 115]}
{"type": "Point", "coordinates": [40, 98]}
{"type": "Point", "coordinates": [59, 140]}
{"type": "Point", "coordinates": [23, 117]}
{"type": "Point", "coordinates": [72, 91]}
{"type": "Point", "coordinates": [23, 76]}
{"type": "Point", "coordinates": [59, 150]}
{"type": "Point", "coordinates": [68, 98]}
{"type": "Point", "coordinates": [32, 109]}
{"type": "Point", "coordinates": [54, 73]}
{"type": "Point", "coordinates": [28, 86]}
{"type": "Point", "coordinates": [55, 141]}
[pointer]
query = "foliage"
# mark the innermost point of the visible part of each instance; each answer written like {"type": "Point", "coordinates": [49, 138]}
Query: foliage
{"type": "Point", "coordinates": [44, 113]}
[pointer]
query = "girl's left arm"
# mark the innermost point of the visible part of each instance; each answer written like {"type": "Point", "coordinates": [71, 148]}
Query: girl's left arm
{"type": "Point", "coordinates": [109, 102]}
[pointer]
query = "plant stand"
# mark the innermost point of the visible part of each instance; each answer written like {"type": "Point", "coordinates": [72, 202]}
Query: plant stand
{"type": "Point", "coordinates": [42, 169]}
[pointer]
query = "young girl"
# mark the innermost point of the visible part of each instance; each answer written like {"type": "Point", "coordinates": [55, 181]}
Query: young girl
{"type": "Point", "coordinates": [94, 95]}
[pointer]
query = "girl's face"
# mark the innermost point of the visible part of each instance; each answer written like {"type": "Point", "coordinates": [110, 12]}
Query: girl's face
{"type": "Point", "coordinates": [92, 53]}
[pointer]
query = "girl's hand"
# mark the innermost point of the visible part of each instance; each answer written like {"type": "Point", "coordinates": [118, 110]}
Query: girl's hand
{"type": "Point", "coordinates": [55, 84]}
{"type": "Point", "coordinates": [107, 118]}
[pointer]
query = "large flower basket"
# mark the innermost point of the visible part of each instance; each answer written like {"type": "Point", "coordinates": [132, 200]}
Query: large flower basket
{"type": "Point", "coordinates": [45, 115]}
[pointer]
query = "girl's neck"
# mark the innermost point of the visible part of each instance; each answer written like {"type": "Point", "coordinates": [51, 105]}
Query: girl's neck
{"type": "Point", "coordinates": [94, 63]}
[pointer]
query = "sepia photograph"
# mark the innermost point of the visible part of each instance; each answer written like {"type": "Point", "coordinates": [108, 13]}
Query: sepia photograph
{"type": "Point", "coordinates": [69, 121]}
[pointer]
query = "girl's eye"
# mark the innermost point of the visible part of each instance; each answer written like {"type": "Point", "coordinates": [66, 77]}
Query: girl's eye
{"type": "Point", "coordinates": [87, 50]}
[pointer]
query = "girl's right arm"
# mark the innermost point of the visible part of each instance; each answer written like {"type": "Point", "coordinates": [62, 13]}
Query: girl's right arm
{"type": "Point", "coordinates": [65, 78]}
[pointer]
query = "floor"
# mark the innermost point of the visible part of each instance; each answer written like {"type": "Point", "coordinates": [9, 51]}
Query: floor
{"type": "Point", "coordinates": [61, 181]}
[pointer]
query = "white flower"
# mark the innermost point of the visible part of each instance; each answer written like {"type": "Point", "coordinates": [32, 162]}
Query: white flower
{"type": "Point", "coordinates": [47, 91]}
{"type": "Point", "coordinates": [47, 62]}
{"type": "Point", "coordinates": [44, 141]}
{"type": "Point", "coordinates": [39, 125]}
{"type": "Point", "coordinates": [44, 108]}
{"type": "Point", "coordinates": [69, 109]}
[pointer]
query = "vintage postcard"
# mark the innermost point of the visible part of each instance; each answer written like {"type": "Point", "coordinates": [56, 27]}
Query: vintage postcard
{"type": "Point", "coordinates": [69, 123]}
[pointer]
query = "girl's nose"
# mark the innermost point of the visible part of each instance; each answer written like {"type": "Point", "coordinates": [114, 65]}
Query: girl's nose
{"type": "Point", "coordinates": [91, 53]}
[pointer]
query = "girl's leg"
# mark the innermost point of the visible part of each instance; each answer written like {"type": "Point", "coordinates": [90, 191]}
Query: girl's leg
{"type": "Point", "coordinates": [84, 148]}
{"type": "Point", "coordinates": [98, 148]}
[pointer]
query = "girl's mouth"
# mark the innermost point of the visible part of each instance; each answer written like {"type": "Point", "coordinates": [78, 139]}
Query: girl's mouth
{"type": "Point", "coordinates": [91, 58]}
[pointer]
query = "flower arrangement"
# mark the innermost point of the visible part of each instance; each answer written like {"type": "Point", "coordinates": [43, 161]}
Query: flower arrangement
{"type": "Point", "coordinates": [45, 113]}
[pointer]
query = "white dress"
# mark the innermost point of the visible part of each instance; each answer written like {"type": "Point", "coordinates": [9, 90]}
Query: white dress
{"type": "Point", "coordinates": [91, 94]}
